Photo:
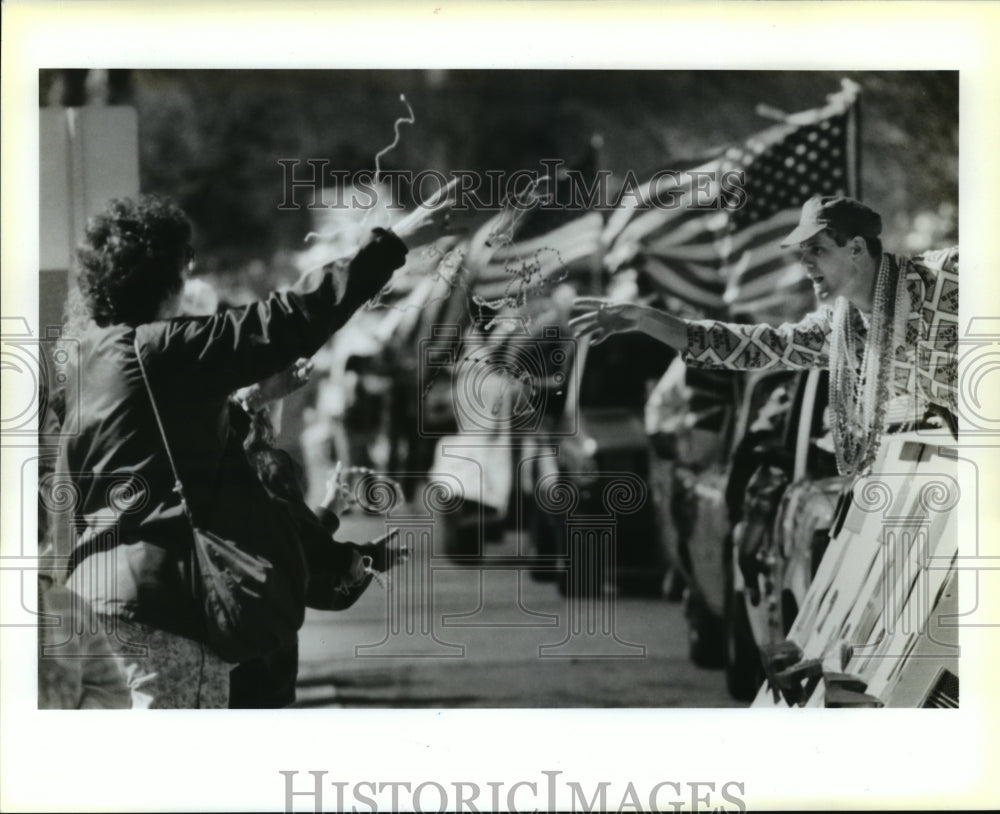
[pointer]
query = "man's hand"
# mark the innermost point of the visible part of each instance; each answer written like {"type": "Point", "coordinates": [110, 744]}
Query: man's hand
{"type": "Point", "coordinates": [603, 318]}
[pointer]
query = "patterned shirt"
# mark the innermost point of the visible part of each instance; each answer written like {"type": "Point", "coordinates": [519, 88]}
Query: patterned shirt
{"type": "Point", "coordinates": [924, 363]}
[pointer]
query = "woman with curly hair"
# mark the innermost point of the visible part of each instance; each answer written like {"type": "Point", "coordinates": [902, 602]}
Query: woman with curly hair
{"type": "Point", "coordinates": [132, 553]}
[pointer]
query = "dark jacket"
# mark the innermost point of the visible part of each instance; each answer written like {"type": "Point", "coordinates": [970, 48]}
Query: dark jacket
{"type": "Point", "coordinates": [269, 682]}
{"type": "Point", "coordinates": [133, 541]}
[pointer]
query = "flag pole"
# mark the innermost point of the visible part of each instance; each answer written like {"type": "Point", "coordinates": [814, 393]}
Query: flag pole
{"type": "Point", "coordinates": [853, 139]}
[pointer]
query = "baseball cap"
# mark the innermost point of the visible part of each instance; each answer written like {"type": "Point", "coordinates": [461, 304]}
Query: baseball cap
{"type": "Point", "coordinates": [846, 215]}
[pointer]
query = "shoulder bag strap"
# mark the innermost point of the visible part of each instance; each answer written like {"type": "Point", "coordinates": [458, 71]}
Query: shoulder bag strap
{"type": "Point", "coordinates": [178, 486]}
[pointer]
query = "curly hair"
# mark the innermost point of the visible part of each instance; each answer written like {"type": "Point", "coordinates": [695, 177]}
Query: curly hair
{"type": "Point", "coordinates": [133, 259]}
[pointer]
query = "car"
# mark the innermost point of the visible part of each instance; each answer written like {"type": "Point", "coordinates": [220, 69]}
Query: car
{"type": "Point", "coordinates": [688, 418]}
{"type": "Point", "coordinates": [601, 441]}
{"type": "Point", "coordinates": [790, 503]}
{"type": "Point", "coordinates": [751, 514]}
{"type": "Point", "coordinates": [707, 494]}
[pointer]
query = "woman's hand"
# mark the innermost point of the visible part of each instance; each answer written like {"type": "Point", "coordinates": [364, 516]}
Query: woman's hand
{"type": "Point", "coordinates": [603, 317]}
{"type": "Point", "coordinates": [277, 386]}
{"type": "Point", "coordinates": [358, 571]}
{"type": "Point", "coordinates": [334, 499]}
{"type": "Point", "coordinates": [433, 220]}
{"type": "Point", "coordinates": [384, 554]}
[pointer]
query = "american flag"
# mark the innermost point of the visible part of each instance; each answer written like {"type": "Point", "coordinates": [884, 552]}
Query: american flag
{"type": "Point", "coordinates": [678, 248]}
{"type": "Point", "coordinates": [811, 153]}
{"type": "Point", "coordinates": [728, 262]}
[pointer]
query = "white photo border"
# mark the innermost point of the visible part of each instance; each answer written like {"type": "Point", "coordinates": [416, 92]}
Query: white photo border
{"type": "Point", "coordinates": [208, 761]}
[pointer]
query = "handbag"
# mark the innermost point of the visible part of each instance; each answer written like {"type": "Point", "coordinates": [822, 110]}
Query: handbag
{"type": "Point", "coordinates": [251, 605]}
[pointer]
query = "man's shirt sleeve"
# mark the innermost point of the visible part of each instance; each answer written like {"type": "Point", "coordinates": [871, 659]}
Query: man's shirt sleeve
{"type": "Point", "coordinates": [731, 346]}
{"type": "Point", "coordinates": [933, 284]}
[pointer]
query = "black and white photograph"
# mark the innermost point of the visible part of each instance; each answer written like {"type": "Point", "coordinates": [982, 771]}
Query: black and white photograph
{"type": "Point", "coordinates": [496, 432]}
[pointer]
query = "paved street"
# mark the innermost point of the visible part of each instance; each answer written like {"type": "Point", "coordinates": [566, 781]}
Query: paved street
{"type": "Point", "coordinates": [497, 638]}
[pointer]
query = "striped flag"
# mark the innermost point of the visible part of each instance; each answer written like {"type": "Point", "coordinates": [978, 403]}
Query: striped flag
{"type": "Point", "coordinates": [726, 263]}
{"type": "Point", "coordinates": [679, 247]}
{"type": "Point", "coordinates": [811, 153]}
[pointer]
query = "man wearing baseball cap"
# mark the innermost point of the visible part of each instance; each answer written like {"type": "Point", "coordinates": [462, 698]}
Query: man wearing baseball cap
{"type": "Point", "coordinates": [886, 326]}
{"type": "Point", "coordinates": [827, 224]}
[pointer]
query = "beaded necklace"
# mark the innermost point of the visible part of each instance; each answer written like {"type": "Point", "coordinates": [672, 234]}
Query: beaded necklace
{"type": "Point", "coordinates": [858, 395]}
